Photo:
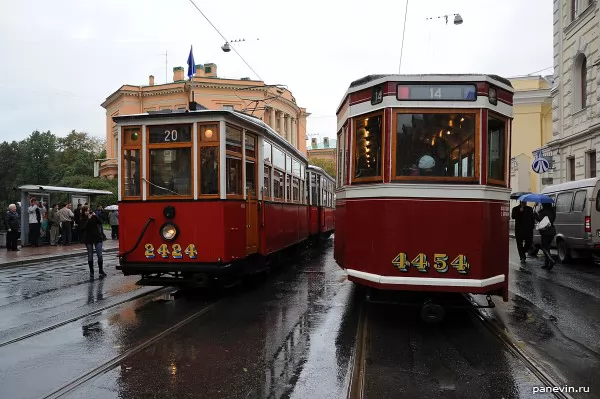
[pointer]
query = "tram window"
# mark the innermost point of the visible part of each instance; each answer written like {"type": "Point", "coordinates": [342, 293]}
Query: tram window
{"type": "Point", "coordinates": [131, 173]}
{"type": "Point", "coordinates": [234, 175]}
{"type": "Point", "coordinates": [296, 168]}
{"type": "Point", "coordinates": [209, 170]}
{"type": "Point", "coordinates": [296, 189]}
{"type": "Point", "coordinates": [251, 177]}
{"type": "Point", "coordinates": [171, 171]}
{"type": "Point", "coordinates": [233, 139]}
{"type": "Point", "coordinates": [278, 177]}
{"type": "Point", "coordinates": [496, 150]}
{"type": "Point", "coordinates": [278, 158]}
{"type": "Point", "coordinates": [267, 152]}
{"type": "Point", "coordinates": [288, 164]}
{"type": "Point", "coordinates": [288, 188]}
{"type": "Point", "coordinates": [250, 146]}
{"type": "Point", "coordinates": [313, 189]}
{"type": "Point", "coordinates": [563, 202]}
{"type": "Point", "coordinates": [267, 181]}
{"type": "Point", "coordinates": [435, 145]}
{"type": "Point", "coordinates": [369, 146]}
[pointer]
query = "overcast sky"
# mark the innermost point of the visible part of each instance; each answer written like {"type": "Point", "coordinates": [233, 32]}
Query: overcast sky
{"type": "Point", "coordinates": [60, 59]}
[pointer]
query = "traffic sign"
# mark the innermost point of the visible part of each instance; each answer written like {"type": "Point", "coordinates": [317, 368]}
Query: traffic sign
{"type": "Point", "coordinates": [540, 164]}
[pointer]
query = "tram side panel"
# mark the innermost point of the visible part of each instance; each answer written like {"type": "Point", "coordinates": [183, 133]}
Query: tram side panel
{"type": "Point", "coordinates": [314, 219]}
{"type": "Point", "coordinates": [329, 219]}
{"type": "Point", "coordinates": [284, 225]}
{"type": "Point", "coordinates": [201, 226]}
{"type": "Point", "coordinates": [407, 240]}
{"type": "Point", "coordinates": [341, 233]}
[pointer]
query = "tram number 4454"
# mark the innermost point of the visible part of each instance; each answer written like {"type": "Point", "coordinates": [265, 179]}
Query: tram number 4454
{"type": "Point", "coordinates": [440, 263]}
{"type": "Point", "coordinates": [176, 251]}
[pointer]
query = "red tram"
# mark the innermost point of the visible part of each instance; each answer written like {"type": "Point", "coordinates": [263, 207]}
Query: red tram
{"type": "Point", "coordinates": [206, 196]}
{"type": "Point", "coordinates": [423, 183]}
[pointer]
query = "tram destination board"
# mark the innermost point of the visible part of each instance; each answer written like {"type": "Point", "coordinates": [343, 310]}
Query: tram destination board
{"type": "Point", "coordinates": [170, 134]}
{"type": "Point", "coordinates": [436, 92]}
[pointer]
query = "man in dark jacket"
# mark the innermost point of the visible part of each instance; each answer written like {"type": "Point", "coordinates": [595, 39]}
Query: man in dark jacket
{"type": "Point", "coordinates": [524, 223]}
{"type": "Point", "coordinates": [13, 227]}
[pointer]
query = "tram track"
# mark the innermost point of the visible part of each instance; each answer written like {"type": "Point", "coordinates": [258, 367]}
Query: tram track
{"type": "Point", "coordinates": [83, 316]}
{"type": "Point", "coordinates": [513, 349]}
{"type": "Point", "coordinates": [356, 388]}
{"type": "Point", "coordinates": [108, 365]}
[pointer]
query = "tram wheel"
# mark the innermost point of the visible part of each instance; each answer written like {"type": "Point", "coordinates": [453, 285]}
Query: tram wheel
{"type": "Point", "coordinates": [432, 312]}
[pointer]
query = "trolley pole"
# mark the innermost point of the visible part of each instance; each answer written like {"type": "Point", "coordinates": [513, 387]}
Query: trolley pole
{"type": "Point", "coordinates": [403, 34]}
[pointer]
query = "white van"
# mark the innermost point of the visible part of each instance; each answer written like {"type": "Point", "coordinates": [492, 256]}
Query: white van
{"type": "Point", "coordinates": [577, 223]}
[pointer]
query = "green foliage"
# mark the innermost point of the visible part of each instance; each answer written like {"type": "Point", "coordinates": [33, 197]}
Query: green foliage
{"type": "Point", "coordinates": [44, 159]}
{"type": "Point", "coordinates": [327, 164]}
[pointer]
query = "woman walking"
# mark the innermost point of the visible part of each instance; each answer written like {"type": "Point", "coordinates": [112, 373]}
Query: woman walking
{"type": "Point", "coordinates": [92, 239]}
{"type": "Point", "coordinates": [547, 234]}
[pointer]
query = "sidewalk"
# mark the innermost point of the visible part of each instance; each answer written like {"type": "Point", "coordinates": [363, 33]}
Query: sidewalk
{"type": "Point", "coordinates": [36, 254]}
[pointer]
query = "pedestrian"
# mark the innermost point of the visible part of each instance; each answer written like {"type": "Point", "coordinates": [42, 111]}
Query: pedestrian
{"type": "Point", "coordinates": [92, 239]}
{"type": "Point", "coordinates": [547, 234]}
{"type": "Point", "coordinates": [12, 222]}
{"type": "Point", "coordinates": [113, 219]}
{"type": "Point", "coordinates": [66, 215]}
{"type": "Point", "coordinates": [54, 221]}
{"type": "Point", "coordinates": [524, 224]}
{"type": "Point", "coordinates": [35, 219]}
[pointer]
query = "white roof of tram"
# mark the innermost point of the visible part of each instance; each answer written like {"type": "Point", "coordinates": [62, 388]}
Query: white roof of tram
{"type": "Point", "coordinates": [56, 189]}
{"type": "Point", "coordinates": [374, 80]}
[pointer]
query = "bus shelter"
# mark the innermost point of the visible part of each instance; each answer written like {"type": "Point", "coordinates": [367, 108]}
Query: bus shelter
{"type": "Point", "coordinates": [44, 194]}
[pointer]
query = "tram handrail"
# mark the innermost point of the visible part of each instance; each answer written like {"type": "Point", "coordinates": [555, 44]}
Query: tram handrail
{"type": "Point", "coordinates": [150, 219]}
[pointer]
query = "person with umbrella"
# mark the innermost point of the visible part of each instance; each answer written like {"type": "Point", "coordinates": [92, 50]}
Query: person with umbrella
{"type": "Point", "coordinates": [545, 219]}
{"type": "Point", "coordinates": [524, 223]}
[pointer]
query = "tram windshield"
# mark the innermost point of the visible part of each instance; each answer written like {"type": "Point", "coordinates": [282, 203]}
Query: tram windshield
{"type": "Point", "coordinates": [435, 144]}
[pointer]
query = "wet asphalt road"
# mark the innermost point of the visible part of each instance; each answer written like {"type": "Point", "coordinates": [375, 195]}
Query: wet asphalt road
{"type": "Point", "coordinates": [290, 334]}
{"type": "Point", "coordinates": [555, 317]}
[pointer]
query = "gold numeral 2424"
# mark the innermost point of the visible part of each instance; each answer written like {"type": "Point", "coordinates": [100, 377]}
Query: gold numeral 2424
{"type": "Point", "coordinates": [440, 263]}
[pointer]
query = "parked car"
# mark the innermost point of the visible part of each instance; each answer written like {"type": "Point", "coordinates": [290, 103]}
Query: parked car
{"type": "Point", "coordinates": [577, 223]}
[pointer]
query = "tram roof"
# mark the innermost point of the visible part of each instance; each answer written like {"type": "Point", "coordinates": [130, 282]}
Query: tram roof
{"type": "Point", "coordinates": [320, 170]}
{"type": "Point", "coordinates": [260, 124]}
{"type": "Point", "coordinates": [372, 80]}
{"type": "Point", "coordinates": [56, 189]}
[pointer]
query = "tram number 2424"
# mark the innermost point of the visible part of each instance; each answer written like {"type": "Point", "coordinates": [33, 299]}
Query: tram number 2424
{"type": "Point", "coordinates": [440, 263]}
{"type": "Point", "coordinates": [176, 251]}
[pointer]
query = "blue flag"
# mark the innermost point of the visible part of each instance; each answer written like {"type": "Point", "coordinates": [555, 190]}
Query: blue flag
{"type": "Point", "coordinates": [191, 64]}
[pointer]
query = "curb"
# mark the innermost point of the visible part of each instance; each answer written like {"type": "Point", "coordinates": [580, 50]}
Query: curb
{"type": "Point", "coordinates": [22, 262]}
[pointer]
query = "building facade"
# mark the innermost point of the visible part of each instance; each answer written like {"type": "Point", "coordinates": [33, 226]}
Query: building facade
{"type": "Point", "coordinates": [275, 105]}
{"type": "Point", "coordinates": [324, 150]}
{"type": "Point", "coordinates": [531, 130]}
{"type": "Point", "coordinates": [576, 91]}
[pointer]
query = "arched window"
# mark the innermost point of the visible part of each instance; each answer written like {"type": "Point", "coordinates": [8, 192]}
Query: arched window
{"type": "Point", "coordinates": [583, 74]}
{"type": "Point", "coordinates": [580, 82]}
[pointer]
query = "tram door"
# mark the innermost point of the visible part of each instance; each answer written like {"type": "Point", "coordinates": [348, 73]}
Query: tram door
{"type": "Point", "coordinates": [251, 209]}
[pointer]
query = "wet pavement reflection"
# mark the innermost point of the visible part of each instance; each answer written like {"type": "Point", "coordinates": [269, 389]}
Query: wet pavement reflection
{"type": "Point", "coordinates": [289, 335]}
{"type": "Point", "coordinates": [555, 318]}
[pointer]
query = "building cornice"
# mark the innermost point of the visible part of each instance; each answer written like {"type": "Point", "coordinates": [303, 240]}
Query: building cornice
{"type": "Point", "coordinates": [532, 97]}
{"type": "Point", "coordinates": [581, 136]}
{"type": "Point", "coordinates": [577, 22]}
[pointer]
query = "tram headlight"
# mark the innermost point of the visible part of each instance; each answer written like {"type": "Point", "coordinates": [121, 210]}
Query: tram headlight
{"type": "Point", "coordinates": [169, 231]}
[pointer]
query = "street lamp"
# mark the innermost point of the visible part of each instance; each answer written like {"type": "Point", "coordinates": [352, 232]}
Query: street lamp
{"type": "Point", "coordinates": [457, 18]}
{"type": "Point", "coordinates": [227, 48]}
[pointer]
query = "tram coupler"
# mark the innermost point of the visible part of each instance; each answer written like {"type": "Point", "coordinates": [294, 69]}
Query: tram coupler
{"type": "Point", "coordinates": [432, 313]}
{"type": "Point", "coordinates": [477, 305]}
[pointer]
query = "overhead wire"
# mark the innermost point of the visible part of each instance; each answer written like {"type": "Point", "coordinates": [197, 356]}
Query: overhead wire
{"type": "Point", "coordinates": [224, 38]}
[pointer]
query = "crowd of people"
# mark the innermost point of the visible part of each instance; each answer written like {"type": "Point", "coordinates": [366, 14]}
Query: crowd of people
{"type": "Point", "coordinates": [59, 225]}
